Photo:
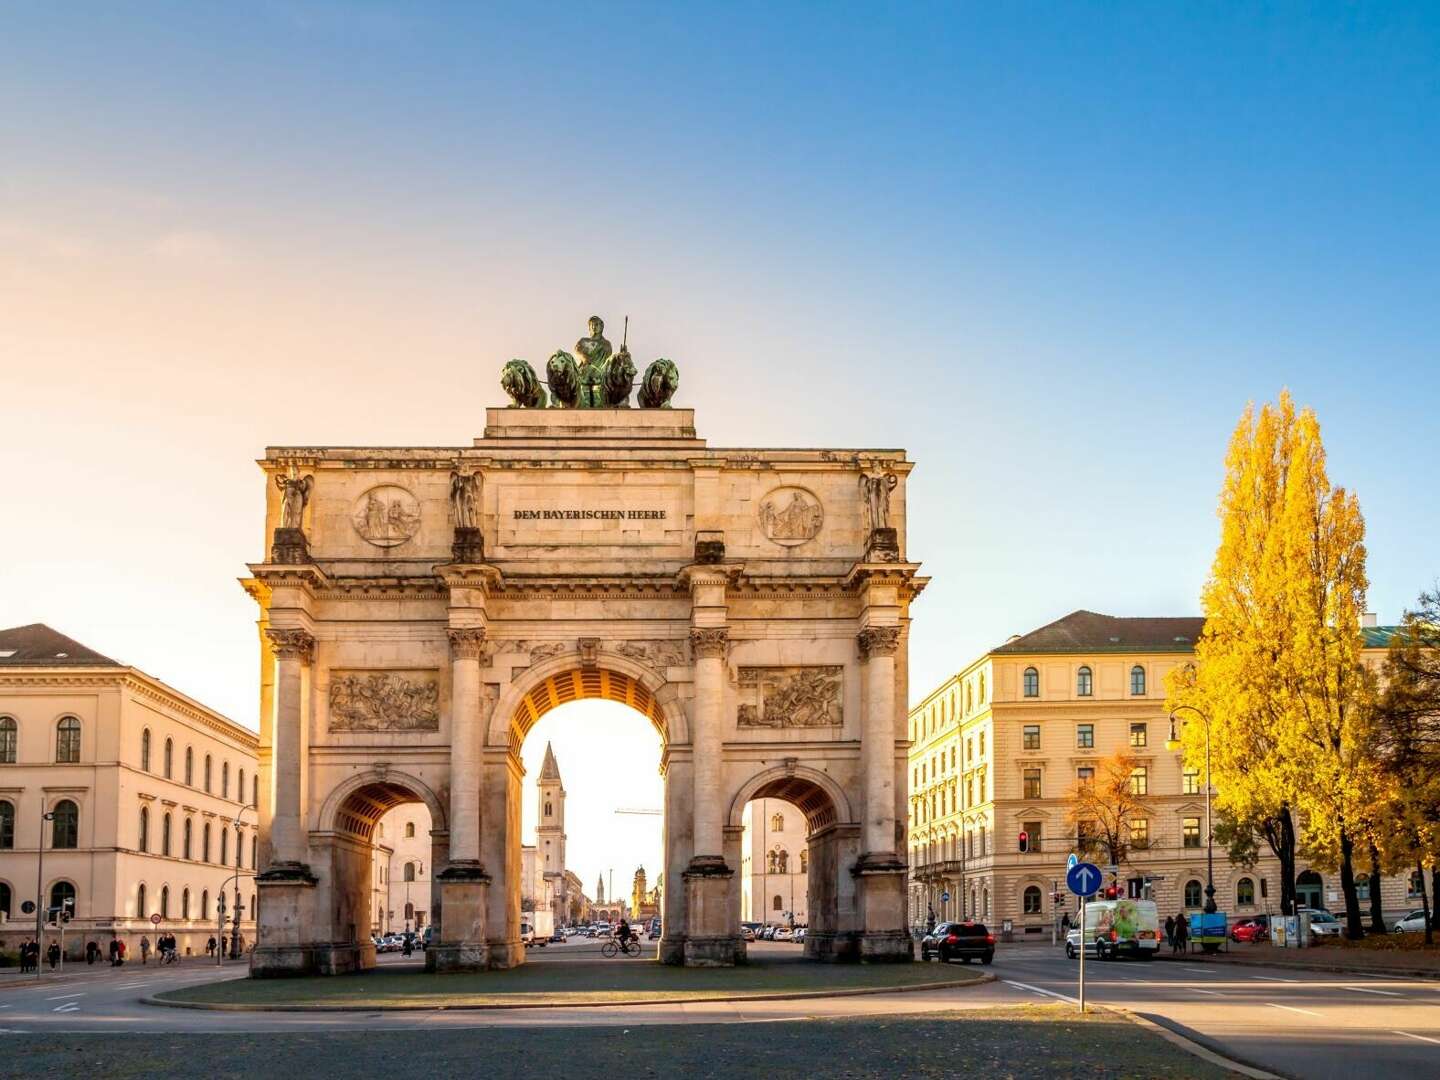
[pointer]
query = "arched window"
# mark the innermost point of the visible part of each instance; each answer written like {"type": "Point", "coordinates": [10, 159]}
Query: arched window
{"type": "Point", "coordinates": [207, 772]}
{"type": "Point", "coordinates": [225, 780]}
{"type": "Point", "coordinates": [62, 897]}
{"type": "Point", "coordinates": [7, 825]}
{"type": "Point", "coordinates": [205, 844]}
{"type": "Point", "coordinates": [409, 829]}
{"type": "Point", "coordinates": [189, 766]}
{"type": "Point", "coordinates": [1192, 893]}
{"type": "Point", "coordinates": [239, 848]}
{"type": "Point", "coordinates": [1032, 682]}
{"type": "Point", "coordinates": [782, 861]}
{"type": "Point", "coordinates": [1362, 887]}
{"type": "Point", "coordinates": [185, 904]}
{"type": "Point", "coordinates": [67, 740]}
{"type": "Point", "coordinates": [144, 844]}
{"type": "Point", "coordinates": [409, 871]}
{"type": "Point", "coordinates": [165, 835]}
{"type": "Point", "coordinates": [141, 904]}
{"type": "Point", "coordinates": [770, 862]}
{"type": "Point", "coordinates": [969, 699]}
{"type": "Point", "coordinates": [777, 904]}
{"type": "Point", "coordinates": [1137, 681]}
{"type": "Point", "coordinates": [205, 904]}
{"type": "Point", "coordinates": [65, 832]}
{"type": "Point", "coordinates": [255, 791]}
{"type": "Point", "coordinates": [982, 688]}
{"type": "Point", "coordinates": [1084, 682]}
{"type": "Point", "coordinates": [5, 899]}
{"type": "Point", "coordinates": [189, 835]}
{"type": "Point", "coordinates": [224, 847]}
{"type": "Point", "coordinates": [169, 758]}
{"type": "Point", "coordinates": [240, 787]}
{"type": "Point", "coordinates": [253, 915]}
{"type": "Point", "coordinates": [145, 750]}
{"type": "Point", "coordinates": [409, 911]}
{"type": "Point", "coordinates": [7, 740]}
{"type": "Point", "coordinates": [1032, 900]}
{"type": "Point", "coordinates": [549, 810]}
{"type": "Point", "coordinates": [805, 860]}
{"type": "Point", "coordinates": [165, 901]}
{"type": "Point", "coordinates": [254, 862]}
{"type": "Point", "coordinates": [1245, 892]}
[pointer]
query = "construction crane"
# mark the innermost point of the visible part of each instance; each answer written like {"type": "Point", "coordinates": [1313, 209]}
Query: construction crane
{"type": "Point", "coordinates": [634, 810]}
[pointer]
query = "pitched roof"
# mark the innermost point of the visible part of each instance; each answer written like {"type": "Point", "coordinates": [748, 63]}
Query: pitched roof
{"type": "Point", "coordinates": [549, 770]}
{"type": "Point", "coordinates": [1089, 631]}
{"type": "Point", "coordinates": [36, 645]}
{"type": "Point", "coordinates": [1378, 637]}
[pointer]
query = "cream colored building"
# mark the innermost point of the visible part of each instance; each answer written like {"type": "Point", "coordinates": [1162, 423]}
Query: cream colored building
{"type": "Point", "coordinates": [773, 864]}
{"type": "Point", "coordinates": [406, 832]}
{"type": "Point", "coordinates": [996, 748]}
{"type": "Point", "coordinates": [151, 795]}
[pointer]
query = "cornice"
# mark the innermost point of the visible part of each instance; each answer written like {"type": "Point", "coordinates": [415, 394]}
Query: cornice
{"type": "Point", "coordinates": [275, 575]}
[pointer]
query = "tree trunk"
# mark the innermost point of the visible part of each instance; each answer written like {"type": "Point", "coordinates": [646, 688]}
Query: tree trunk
{"type": "Point", "coordinates": [1286, 854]}
{"type": "Point", "coordinates": [1377, 913]}
{"type": "Point", "coordinates": [1434, 918]}
{"type": "Point", "coordinates": [1354, 925]}
{"type": "Point", "coordinates": [1425, 905]}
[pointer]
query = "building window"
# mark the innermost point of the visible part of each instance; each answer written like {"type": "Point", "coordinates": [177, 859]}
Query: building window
{"type": "Point", "coordinates": [142, 906]}
{"type": "Point", "coordinates": [1084, 835]}
{"type": "Point", "coordinates": [1190, 831]}
{"type": "Point", "coordinates": [144, 828]}
{"type": "Point", "coordinates": [254, 864]}
{"type": "Point", "coordinates": [1032, 833]}
{"type": "Point", "coordinates": [1032, 900]}
{"type": "Point", "coordinates": [165, 835]}
{"type": "Point", "coordinates": [145, 750]}
{"type": "Point", "coordinates": [1085, 773]}
{"type": "Point", "coordinates": [1084, 682]}
{"type": "Point", "coordinates": [1245, 891]}
{"type": "Point", "coordinates": [189, 766]}
{"type": "Point", "coordinates": [1030, 738]}
{"type": "Point", "coordinates": [1085, 736]}
{"type": "Point", "coordinates": [1192, 893]}
{"type": "Point", "coordinates": [240, 787]}
{"type": "Point", "coordinates": [1139, 735]}
{"type": "Point", "coordinates": [410, 830]}
{"type": "Point", "coordinates": [5, 899]}
{"type": "Point", "coordinates": [409, 872]}
{"type": "Point", "coordinates": [982, 688]}
{"type": "Point", "coordinates": [982, 745]}
{"type": "Point", "coordinates": [777, 823]}
{"type": "Point", "coordinates": [969, 700]}
{"type": "Point", "coordinates": [776, 904]}
{"type": "Point", "coordinates": [7, 825]}
{"type": "Point", "coordinates": [1137, 681]}
{"type": "Point", "coordinates": [62, 897]}
{"type": "Point", "coordinates": [1032, 784]}
{"type": "Point", "coordinates": [805, 859]}
{"type": "Point", "coordinates": [255, 791]}
{"type": "Point", "coordinates": [225, 780]}
{"type": "Point", "coordinates": [1190, 782]}
{"type": "Point", "coordinates": [240, 848]}
{"type": "Point", "coordinates": [1416, 885]}
{"type": "Point", "coordinates": [224, 846]}
{"type": "Point", "coordinates": [7, 740]}
{"type": "Point", "coordinates": [205, 904]}
{"type": "Point", "coordinates": [67, 741]}
{"type": "Point", "coordinates": [1140, 833]}
{"type": "Point", "coordinates": [1032, 682]}
{"type": "Point", "coordinates": [165, 901]}
{"type": "Point", "coordinates": [185, 904]}
{"type": "Point", "coordinates": [207, 772]}
{"type": "Point", "coordinates": [189, 830]}
{"type": "Point", "coordinates": [1140, 780]}
{"type": "Point", "coordinates": [782, 861]}
{"type": "Point", "coordinates": [205, 844]}
{"type": "Point", "coordinates": [169, 758]}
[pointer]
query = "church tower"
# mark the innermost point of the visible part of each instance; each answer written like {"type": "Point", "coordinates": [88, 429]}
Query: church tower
{"type": "Point", "coordinates": [600, 890]}
{"type": "Point", "coordinates": [550, 833]}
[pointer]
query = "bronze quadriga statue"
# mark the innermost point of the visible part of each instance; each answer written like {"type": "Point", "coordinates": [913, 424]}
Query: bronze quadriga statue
{"type": "Point", "coordinates": [593, 377]}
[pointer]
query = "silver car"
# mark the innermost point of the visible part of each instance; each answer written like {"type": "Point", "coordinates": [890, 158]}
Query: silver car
{"type": "Point", "coordinates": [1413, 923]}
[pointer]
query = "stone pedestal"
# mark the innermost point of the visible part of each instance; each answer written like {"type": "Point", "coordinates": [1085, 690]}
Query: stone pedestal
{"type": "Point", "coordinates": [290, 547]}
{"type": "Point", "coordinates": [460, 944]}
{"type": "Point", "coordinates": [880, 898]}
{"type": "Point", "coordinates": [285, 892]}
{"type": "Point", "coordinates": [883, 546]}
{"type": "Point", "coordinates": [469, 546]}
{"type": "Point", "coordinates": [712, 939]}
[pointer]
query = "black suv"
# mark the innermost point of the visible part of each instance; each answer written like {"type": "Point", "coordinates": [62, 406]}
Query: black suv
{"type": "Point", "coordinates": [959, 941]}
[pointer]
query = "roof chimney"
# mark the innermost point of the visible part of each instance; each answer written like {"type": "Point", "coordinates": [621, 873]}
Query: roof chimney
{"type": "Point", "coordinates": [1368, 619]}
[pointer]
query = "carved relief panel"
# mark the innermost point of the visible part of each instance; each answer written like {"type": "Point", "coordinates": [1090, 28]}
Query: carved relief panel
{"type": "Point", "coordinates": [790, 516]}
{"type": "Point", "coordinates": [386, 515]}
{"type": "Point", "coordinates": [791, 697]}
{"type": "Point", "coordinates": [385, 700]}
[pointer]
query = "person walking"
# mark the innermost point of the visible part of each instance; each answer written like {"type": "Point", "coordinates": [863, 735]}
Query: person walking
{"type": "Point", "coordinates": [144, 949]}
{"type": "Point", "coordinates": [120, 951]}
{"type": "Point", "coordinates": [114, 951]}
{"type": "Point", "coordinates": [92, 953]}
{"type": "Point", "coordinates": [210, 946]}
{"type": "Point", "coordinates": [24, 957]}
{"type": "Point", "coordinates": [1170, 931]}
{"type": "Point", "coordinates": [1182, 932]}
{"type": "Point", "coordinates": [53, 954]}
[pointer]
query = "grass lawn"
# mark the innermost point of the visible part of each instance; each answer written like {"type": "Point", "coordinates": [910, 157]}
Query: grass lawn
{"type": "Point", "coordinates": [1025, 1043]}
{"type": "Point", "coordinates": [560, 983]}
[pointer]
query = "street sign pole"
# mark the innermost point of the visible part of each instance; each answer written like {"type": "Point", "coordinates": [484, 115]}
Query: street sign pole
{"type": "Point", "coordinates": [1083, 879]}
{"type": "Point", "coordinates": [1082, 954]}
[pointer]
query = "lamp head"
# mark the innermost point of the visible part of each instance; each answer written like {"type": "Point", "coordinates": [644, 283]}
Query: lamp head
{"type": "Point", "coordinates": [1172, 741]}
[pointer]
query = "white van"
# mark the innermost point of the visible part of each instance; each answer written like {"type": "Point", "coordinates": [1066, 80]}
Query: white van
{"type": "Point", "coordinates": [1120, 928]}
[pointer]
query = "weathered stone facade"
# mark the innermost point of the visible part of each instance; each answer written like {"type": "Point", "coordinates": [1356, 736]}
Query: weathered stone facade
{"type": "Point", "coordinates": [738, 598]}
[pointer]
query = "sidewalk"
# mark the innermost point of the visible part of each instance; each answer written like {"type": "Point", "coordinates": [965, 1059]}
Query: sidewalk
{"type": "Point", "coordinates": [1337, 958]}
{"type": "Point", "coordinates": [75, 972]}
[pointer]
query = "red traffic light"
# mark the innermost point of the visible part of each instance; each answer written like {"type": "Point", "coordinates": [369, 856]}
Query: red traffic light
{"type": "Point", "coordinates": [1024, 840]}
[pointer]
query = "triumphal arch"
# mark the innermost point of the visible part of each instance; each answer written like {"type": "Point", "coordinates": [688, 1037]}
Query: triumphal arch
{"type": "Point", "coordinates": [421, 608]}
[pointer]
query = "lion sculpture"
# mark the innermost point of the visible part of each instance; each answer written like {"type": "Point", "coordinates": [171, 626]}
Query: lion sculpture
{"type": "Point", "coordinates": [662, 379]}
{"type": "Point", "coordinates": [564, 378]}
{"type": "Point", "coordinates": [518, 379]}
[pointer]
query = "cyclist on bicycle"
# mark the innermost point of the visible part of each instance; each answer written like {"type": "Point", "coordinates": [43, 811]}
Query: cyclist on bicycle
{"type": "Point", "coordinates": [623, 933]}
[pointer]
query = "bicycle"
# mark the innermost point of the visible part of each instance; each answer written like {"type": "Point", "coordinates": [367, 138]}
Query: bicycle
{"type": "Point", "coordinates": [612, 948]}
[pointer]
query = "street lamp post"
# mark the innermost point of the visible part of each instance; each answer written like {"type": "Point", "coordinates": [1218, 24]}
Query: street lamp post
{"type": "Point", "coordinates": [40, 886]}
{"type": "Point", "coordinates": [239, 906]}
{"type": "Point", "coordinates": [1173, 743]}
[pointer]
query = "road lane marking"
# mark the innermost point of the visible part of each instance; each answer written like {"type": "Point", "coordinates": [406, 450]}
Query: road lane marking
{"type": "Point", "coordinates": [1207, 971]}
{"type": "Point", "coordinates": [1291, 1008]}
{"type": "Point", "coordinates": [69, 1006]}
{"type": "Point", "coordinates": [62, 997]}
{"type": "Point", "coordinates": [1367, 990]}
{"type": "Point", "coordinates": [1197, 990]}
{"type": "Point", "coordinates": [1270, 978]}
{"type": "Point", "coordinates": [1039, 990]}
{"type": "Point", "coordinates": [1368, 975]}
{"type": "Point", "coordinates": [1422, 1038]}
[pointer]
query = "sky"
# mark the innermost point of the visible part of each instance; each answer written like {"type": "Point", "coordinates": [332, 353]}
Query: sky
{"type": "Point", "coordinates": [1050, 250]}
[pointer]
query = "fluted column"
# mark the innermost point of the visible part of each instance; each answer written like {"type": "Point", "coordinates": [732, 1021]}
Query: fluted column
{"type": "Point", "coordinates": [294, 649]}
{"type": "Point", "coordinates": [877, 736]}
{"type": "Point", "coordinates": [708, 646]}
{"type": "Point", "coordinates": [466, 737]}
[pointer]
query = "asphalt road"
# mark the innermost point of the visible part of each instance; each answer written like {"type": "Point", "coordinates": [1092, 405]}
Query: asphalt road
{"type": "Point", "coordinates": [1294, 1022]}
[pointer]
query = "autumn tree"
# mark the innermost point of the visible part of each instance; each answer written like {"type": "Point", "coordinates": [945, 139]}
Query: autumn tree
{"type": "Point", "coordinates": [1102, 808]}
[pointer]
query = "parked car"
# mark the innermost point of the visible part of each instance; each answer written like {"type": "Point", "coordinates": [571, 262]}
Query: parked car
{"type": "Point", "coordinates": [783, 933]}
{"type": "Point", "coordinates": [747, 933]}
{"type": "Point", "coordinates": [800, 935]}
{"type": "Point", "coordinates": [964, 941]}
{"type": "Point", "coordinates": [1323, 925]}
{"type": "Point", "coordinates": [558, 937]}
{"type": "Point", "coordinates": [1411, 924]}
{"type": "Point", "coordinates": [1072, 944]}
{"type": "Point", "coordinates": [1251, 930]}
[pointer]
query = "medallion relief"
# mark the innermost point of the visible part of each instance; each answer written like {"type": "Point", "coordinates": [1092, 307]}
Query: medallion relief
{"type": "Point", "coordinates": [384, 701]}
{"type": "Point", "coordinates": [791, 697]}
{"type": "Point", "coordinates": [790, 516]}
{"type": "Point", "coordinates": [386, 515]}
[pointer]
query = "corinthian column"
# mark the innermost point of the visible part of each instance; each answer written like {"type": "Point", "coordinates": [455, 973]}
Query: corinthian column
{"type": "Point", "coordinates": [466, 737]}
{"type": "Point", "coordinates": [294, 649]}
{"type": "Point", "coordinates": [877, 736]}
{"type": "Point", "coordinates": [708, 644]}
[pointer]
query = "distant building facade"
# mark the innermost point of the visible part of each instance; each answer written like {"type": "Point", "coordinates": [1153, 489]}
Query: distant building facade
{"type": "Point", "coordinates": [774, 864]}
{"type": "Point", "coordinates": [142, 799]}
{"type": "Point", "coordinates": [405, 833]}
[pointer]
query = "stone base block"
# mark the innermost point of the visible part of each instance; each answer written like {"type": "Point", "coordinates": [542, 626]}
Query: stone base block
{"type": "Point", "coordinates": [460, 943]}
{"type": "Point", "coordinates": [465, 957]}
{"type": "Point", "coordinates": [343, 959]}
{"type": "Point", "coordinates": [831, 948]}
{"type": "Point", "coordinates": [671, 951]}
{"type": "Point", "coordinates": [281, 961]}
{"type": "Point", "coordinates": [887, 947]}
{"type": "Point", "coordinates": [469, 546]}
{"type": "Point", "coordinates": [290, 548]}
{"type": "Point", "coordinates": [505, 954]}
{"type": "Point", "coordinates": [712, 951]}
{"type": "Point", "coordinates": [881, 903]}
{"type": "Point", "coordinates": [710, 939]}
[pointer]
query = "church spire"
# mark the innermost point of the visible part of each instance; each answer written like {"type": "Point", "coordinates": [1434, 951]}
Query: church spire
{"type": "Point", "coordinates": [549, 770]}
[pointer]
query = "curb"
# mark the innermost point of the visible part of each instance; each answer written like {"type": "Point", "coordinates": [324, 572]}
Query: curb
{"type": "Point", "coordinates": [220, 1006]}
{"type": "Point", "coordinates": [1331, 969]}
{"type": "Point", "coordinates": [1192, 1047]}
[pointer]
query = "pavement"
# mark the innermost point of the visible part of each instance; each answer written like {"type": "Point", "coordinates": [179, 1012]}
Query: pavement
{"type": "Point", "coordinates": [1294, 1023]}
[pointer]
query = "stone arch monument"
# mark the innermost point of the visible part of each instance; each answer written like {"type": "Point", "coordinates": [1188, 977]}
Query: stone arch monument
{"type": "Point", "coordinates": [421, 608]}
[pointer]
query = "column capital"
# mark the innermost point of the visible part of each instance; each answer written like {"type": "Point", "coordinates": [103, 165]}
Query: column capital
{"type": "Point", "coordinates": [466, 643]}
{"type": "Point", "coordinates": [709, 641]}
{"type": "Point", "coordinates": [291, 644]}
{"type": "Point", "coordinates": [878, 641]}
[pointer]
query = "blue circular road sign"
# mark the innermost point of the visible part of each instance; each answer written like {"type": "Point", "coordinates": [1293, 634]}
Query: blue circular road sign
{"type": "Point", "coordinates": [1083, 879]}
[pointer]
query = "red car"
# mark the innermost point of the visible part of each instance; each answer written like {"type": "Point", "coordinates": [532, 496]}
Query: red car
{"type": "Point", "coordinates": [1251, 930]}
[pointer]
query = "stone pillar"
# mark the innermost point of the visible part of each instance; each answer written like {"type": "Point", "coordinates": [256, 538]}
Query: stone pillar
{"type": "Point", "coordinates": [679, 847]}
{"type": "Point", "coordinates": [500, 850]}
{"type": "Point", "coordinates": [285, 930]}
{"type": "Point", "coordinates": [710, 937]}
{"type": "Point", "coordinates": [463, 885]}
{"type": "Point", "coordinates": [880, 874]}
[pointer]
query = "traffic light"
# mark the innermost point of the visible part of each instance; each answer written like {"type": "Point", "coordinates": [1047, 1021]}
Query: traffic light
{"type": "Point", "coordinates": [1111, 892]}
{"type": "Point", "coordinates": [1024, 841]}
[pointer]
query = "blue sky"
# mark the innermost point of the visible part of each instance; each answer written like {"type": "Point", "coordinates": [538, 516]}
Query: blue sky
{"type": "Point", "coordinates": [1052, 250]}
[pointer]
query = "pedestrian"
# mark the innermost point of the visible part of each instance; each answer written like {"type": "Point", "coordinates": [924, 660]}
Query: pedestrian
{"type": "Point", "coordinates": [1182, 932]}
{"type": "Point", "coordinates": [114, 952]}
{"type": "Point", "coordinates": [144, 949]}
{"type": "Point", "coordinates": [210, 946]}
{"type": "Point", "coordinates": [1170, 931]}
{"type": "Point", "coordinates": [24, 957]}
{"type": "Point", "coordinates": [53, 954]}
{"type": "Point", "coordinates": [92, 953]}
{"type": "Point", "coordinates": [1065, 923]}
{"type": "Point", "coordinates": [120, 951]}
